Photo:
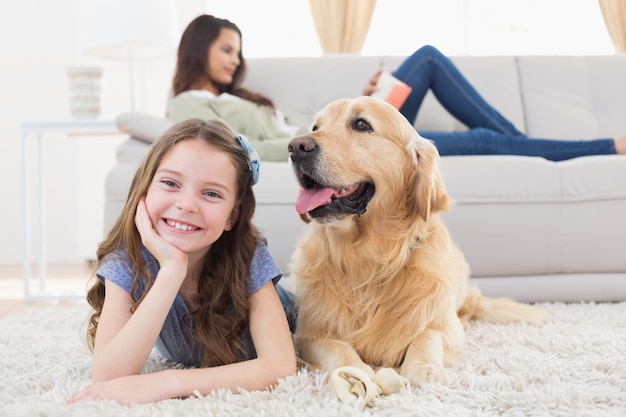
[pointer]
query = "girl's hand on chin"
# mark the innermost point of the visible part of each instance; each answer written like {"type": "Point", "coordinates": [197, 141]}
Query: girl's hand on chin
{"type": "Point", "coordinates": [159, 247]}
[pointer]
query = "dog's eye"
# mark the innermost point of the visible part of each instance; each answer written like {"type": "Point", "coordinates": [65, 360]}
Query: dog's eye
{"type": "Point", "coordinates": [362, 125]}
{"type": "Point", "coordinates": [314, 128]}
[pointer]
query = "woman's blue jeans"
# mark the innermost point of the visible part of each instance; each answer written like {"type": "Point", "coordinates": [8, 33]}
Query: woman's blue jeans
{"type": "Point", "coordinates": [489, 132]}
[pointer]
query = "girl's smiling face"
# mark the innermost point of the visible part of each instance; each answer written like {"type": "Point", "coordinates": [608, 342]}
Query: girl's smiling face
{"type": "Point", "coordinates": [191, 200]}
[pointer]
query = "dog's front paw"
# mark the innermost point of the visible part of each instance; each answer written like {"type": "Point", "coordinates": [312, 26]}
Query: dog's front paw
{"type": "Point", "coordinates": [389, 381]}
{"type": "Point", "coordinates": [351, 383]}
{"type": "Point", "coordinates": [426, 373]}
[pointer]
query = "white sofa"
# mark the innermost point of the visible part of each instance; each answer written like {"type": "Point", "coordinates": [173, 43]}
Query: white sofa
{"type": "Point", "coordinates": [531, 229]}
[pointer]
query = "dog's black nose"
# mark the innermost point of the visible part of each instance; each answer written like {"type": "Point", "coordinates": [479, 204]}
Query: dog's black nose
{"type": "Point", "coordinates": [301, 147]}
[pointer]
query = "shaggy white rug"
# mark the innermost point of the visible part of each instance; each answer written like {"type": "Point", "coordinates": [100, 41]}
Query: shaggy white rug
{"type": "Point", "coordinates": [575, 366]}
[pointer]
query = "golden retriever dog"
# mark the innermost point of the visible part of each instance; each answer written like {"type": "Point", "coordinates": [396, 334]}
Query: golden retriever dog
{"type": "Point", "coordinates": [379, 281]}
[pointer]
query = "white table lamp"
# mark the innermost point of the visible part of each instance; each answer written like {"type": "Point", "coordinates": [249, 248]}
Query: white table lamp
{"type": "Point", "coordinates": [128, 30]}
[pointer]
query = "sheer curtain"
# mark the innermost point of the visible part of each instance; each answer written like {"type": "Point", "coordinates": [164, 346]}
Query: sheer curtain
{"type": "Point", "coordinates": [342, 25]}
{"type": "Point", "coordinates": [614, 13]}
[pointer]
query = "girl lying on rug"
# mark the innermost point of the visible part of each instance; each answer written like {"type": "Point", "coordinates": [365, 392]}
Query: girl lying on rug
{"type": "Point", "coordinates": [184, 269]}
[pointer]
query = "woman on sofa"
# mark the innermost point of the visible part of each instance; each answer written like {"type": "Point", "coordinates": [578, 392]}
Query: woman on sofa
{"type": "Point", "coordinates": [211, 68]}
{"type": "Point", "coordinates": [207, 84]}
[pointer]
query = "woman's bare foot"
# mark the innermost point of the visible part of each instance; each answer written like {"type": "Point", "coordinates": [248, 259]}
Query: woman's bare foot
{"type": "Point", "coordinates": [620, 145]}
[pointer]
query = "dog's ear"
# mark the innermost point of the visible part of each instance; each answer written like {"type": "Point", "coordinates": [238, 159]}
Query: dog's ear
{"type": "Point", "coordinates": [429, 189]}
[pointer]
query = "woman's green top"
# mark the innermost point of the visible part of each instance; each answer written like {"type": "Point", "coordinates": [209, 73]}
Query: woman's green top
{"type": "Point", "coordinates": [257, 123]}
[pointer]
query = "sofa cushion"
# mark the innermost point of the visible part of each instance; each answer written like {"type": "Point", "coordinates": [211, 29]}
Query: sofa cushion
{"type": "Point", "coordinates": [555, 217]}
{"type": "Point", "coordinates": [569, 97]}
{"type": "Point", "coordinates": [132, 150]}
{"type": "Point", "coordinates": [300, 87]}
{"type": "Point", "coordinates": [142, 126]}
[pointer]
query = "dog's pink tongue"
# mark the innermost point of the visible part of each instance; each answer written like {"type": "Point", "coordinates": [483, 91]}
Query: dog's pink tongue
{"type": "Point", "coordinates": [312, 198]}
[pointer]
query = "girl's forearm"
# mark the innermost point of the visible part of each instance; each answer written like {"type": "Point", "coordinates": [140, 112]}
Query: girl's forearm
{"type": "Point", "coordinates": [256, 374]}
{"type": "Point", "coordinates": [126, 353]}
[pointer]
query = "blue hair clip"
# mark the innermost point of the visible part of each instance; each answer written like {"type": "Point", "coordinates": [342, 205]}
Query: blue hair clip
{"type": "Point", "coordinates": [254, 163]}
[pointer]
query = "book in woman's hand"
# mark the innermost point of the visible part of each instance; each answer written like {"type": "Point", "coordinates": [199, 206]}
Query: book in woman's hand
{"type": "Point", "coordinates": [392, 90]}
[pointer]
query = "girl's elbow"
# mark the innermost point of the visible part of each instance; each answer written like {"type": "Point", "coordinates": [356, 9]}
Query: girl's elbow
{"type": "Point", "coordinates": [286, 367]}
{"type": "Point", "coordinates": [291, 368]}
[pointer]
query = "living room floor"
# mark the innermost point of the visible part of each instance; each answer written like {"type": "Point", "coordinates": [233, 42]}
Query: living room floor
{"type": "Point", "coordinates": [66, 283]}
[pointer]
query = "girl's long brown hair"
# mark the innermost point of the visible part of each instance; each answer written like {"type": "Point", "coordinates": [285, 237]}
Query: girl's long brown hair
{"type": "Point", "coordinates": [192, 60]}
{"type": "Point", "coordinates": [224, 273]}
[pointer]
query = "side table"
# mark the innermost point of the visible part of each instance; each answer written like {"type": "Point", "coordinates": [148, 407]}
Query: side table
{"type": "Point", "coordinates": [37, 131]}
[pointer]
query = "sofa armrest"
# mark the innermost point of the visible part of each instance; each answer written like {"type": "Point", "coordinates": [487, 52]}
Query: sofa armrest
{"type": "Point", "coordinates": [142, 126]}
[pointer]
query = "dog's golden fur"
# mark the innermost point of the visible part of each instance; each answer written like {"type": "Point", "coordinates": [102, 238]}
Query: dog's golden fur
{"type": "Point", "coordinates": [381, 284]}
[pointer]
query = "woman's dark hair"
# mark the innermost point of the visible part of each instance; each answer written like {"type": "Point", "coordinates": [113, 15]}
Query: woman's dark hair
{"type": "Point", "coordinates": [192, 61]}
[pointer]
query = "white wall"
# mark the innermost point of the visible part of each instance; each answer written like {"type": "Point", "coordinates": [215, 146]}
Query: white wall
{"type": "Point", "coordinates": [456, 27]}
{"type": "Point", "coordinates": [38, 40]}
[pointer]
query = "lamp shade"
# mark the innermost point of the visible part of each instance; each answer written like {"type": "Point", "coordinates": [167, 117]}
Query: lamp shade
{"type": "Point", "coordinates": [128, 29]}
